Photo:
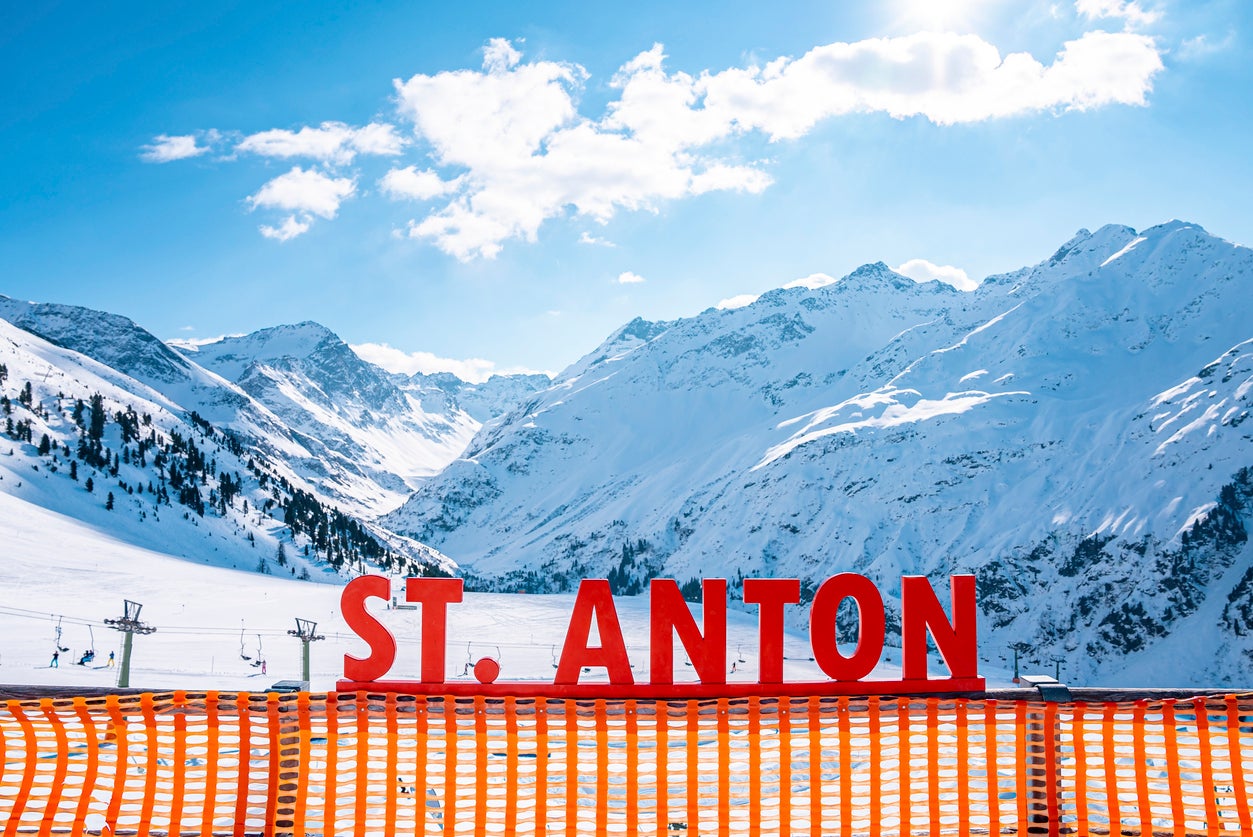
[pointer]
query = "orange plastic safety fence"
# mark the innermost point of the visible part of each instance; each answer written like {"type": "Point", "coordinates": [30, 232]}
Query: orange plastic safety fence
{"type": "Point", "coordinates": [367, 764]}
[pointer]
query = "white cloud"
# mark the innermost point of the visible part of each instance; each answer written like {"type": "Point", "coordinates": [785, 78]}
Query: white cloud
{"type": "Point", "coordinates": [193, 344]}
{"type": "Point", "coordinates": [943, 77]}
{"type": "Point", "coordinates": [165, 148]}
{"type": "Point", "coordinates": [626, 277]}
{"type": "Point", "coordinates": [737, 301]}
{"type": "Point", "coordinates": [1129, 11]}
{"type": "Point", "coordinates": [813, 281]}
{"type": "Point", "coordinates": [304, 191]}
{"type": "Point", "coordinates": [527, 155]}
{"type": "Point", "coordinates": [499, 55]}
{"type": "Point", "coordinates": [331, 142]}
{"type": "Point", "coordinates": [289, 229]}
{"type": "Point", "coordinates": [475, 370]}
{"type": "Point", "coordinates": [587, 238]}
{"type": "Point", "coordinates": [379, 139]}
{"type": "Point", "coordinates": [409, 183]}
{"type": "Point", "coordinates": [1193, 49]}
{"type": "Point", "coordinates": [921, 270]}
{"type": "Point", "coordinates": [505, 149]}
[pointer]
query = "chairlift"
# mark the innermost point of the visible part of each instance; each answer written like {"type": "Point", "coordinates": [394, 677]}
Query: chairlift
{"type": "Point", "coordinates": [465, 671]}
{"type": "Point", "coordinates": [242, 655]}
{"type": "Point", "coordinates": [554, 656]}
{"type": "Point", "coordinates": [57, 642]}
{"type": "Point", "coordinates": [259, 662]}
{"type": "Point", "coordinates": [90, 654]}
{"type": "Point", "coordinates": [739, 654]}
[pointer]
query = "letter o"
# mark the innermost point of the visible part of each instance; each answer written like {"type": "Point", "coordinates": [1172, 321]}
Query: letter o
{"type": "Point", "coordinates": [871, 626]}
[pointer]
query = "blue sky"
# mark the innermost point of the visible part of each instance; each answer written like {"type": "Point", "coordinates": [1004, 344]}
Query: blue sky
{"type": "Point", "coordinates": [500, 186]}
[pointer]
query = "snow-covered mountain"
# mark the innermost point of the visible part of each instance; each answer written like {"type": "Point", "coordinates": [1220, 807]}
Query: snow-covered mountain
{"type": "Point", "coordinates": [105, 423]}
{"type": "Point", "coordinates": [1073, 432]}
{"type": "Point", "coordinates": [481, 401]}
{"type": "Point", "coordinates": [297, 394]}
{"type": "Point", "coordinates": [373, 439]}
{"type": "Point", "coordinates": [89, 442]}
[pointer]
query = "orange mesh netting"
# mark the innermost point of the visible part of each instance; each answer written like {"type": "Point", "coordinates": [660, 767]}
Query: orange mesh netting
{"type": "Point", "coordinates": [362, 763]}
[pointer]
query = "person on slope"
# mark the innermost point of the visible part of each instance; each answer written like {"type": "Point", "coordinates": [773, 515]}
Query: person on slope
{"type": "Point", "coordinates": [56, 656]}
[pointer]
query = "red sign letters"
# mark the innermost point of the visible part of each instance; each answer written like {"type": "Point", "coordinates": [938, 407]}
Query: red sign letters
{"type": "Point", "coordinates": [705, 644]}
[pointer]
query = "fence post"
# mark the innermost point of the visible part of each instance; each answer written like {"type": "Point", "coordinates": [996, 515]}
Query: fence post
{"type": "Point", "coordinates": [1043, 743]}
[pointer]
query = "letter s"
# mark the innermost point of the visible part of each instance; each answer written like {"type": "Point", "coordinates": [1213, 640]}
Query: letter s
{"type": "Point", "coordinates": [373, 632]}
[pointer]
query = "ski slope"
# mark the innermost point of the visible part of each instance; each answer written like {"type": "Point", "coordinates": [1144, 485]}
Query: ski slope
{"type": "Point", "coordinates": [55, 565]}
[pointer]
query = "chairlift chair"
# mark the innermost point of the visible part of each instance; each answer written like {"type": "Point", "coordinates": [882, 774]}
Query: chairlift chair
{"type": "Point", "coordinates": [57, 642]}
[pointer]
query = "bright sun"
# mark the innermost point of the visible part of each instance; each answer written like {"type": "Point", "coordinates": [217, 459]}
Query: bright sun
{"type": "Point", "coordinates": [937, 14]}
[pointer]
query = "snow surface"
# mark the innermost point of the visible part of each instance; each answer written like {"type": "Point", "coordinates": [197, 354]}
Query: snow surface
{"type": "Point", "coordinates": [56, 566]}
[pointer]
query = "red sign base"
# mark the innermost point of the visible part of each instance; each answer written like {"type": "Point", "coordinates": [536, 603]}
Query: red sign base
{"type": "Point", "coordinates": [668, 691]}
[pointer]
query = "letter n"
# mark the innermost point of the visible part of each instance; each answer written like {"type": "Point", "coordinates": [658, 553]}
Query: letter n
{"type": "Point", "coordinates": [668, 615]}
{"type": "Point", "coordinates": [921, 611]}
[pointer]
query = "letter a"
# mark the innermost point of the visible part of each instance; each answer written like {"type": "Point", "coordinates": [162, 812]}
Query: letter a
{"type": "Point", "coordinates": [594, 600]}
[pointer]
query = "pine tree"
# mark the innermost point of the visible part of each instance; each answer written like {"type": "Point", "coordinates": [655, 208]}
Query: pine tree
{"type": "Point", "coordinates": [281, 556]}
{"type": "Point", "coordinates": [108, 503]}
{"type": "Point", "coordinates": [45, 445]}
{"type": "Point", "coordinates": [89, 485]}
{"type": "Point", "coordinates": [96, 430]}
{"type": "Point", "coordinates": [74, 470]}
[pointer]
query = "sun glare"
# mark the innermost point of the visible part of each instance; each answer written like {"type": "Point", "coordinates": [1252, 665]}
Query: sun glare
{"type": "Point", "coordinates": [937, 14]}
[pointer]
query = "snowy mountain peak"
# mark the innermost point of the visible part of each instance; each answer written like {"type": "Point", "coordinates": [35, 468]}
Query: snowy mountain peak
{"type": "Point", "coordinates": [638, 332]}
{"type": "Point", "coordinates": [231, 356]}
{"type": "Point", "coordinates": [1064, 431]}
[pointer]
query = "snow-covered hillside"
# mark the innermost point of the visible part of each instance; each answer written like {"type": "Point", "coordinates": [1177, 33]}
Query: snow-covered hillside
{"type": "Point", "coordinates": [90, 442]}
{"type": "Point", "coordinates": [298, 395]}
{"type": "Point", "coordinates": [215, 625]}
{"type": "Point", "coordinates": [1072, 432]}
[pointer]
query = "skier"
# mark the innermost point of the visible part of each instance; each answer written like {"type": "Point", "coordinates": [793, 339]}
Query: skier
{"type": "Point", "coordinates": [87, 657]}
{"type": "Point", "coordinates": [56, 656]}
{"type": "Point", "coordinates": [111, 662]}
